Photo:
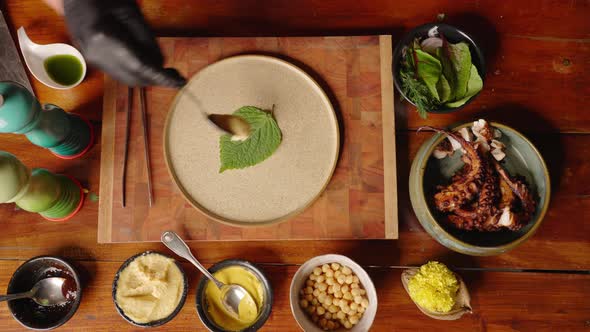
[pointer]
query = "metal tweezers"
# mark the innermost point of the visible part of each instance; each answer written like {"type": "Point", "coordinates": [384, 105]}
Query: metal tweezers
{"type": "Point", "coordinates": [146, 147]}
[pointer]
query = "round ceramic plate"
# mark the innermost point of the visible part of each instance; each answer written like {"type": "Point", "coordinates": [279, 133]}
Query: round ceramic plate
{"type": "Point", "coordinates": [282, 185]}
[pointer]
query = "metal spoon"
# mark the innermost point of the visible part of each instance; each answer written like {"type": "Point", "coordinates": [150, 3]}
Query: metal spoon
{"type": "Point", "coordinates": [231, 124]}
{"type": "Point", "coordinates": [231, 295]}
{"type": "Point", "coordinates": [46, 292]}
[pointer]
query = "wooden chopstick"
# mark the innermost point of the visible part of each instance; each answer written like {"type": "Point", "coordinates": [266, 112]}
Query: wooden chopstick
{"type": "Point", "coordinates": [126, 146]}
{"type": "Point", "coordinates": [146, 147]}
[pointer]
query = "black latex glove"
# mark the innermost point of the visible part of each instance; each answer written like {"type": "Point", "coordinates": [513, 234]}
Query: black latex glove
{"type": "Point", "coordinates": [114, 36]}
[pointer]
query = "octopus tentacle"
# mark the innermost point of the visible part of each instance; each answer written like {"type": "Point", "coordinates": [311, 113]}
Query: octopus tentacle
{"type": "Point", "coordinates": [464, 189]}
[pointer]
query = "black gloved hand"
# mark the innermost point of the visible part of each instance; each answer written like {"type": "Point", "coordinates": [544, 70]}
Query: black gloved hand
{"type": "Point", "coordinates": [114, 36]}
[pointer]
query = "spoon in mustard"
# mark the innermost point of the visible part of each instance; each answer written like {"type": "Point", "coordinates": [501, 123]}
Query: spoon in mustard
{"type": "Point", "coordinates": [231, 294]}
{"type": "Point", "coordinates": [46, 292]}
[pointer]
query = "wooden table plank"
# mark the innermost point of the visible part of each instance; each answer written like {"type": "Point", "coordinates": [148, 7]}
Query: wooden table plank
{"type": "Point", "coordinates": [562, 237]}
{"type": "Point", "coordinates": [501, 301]}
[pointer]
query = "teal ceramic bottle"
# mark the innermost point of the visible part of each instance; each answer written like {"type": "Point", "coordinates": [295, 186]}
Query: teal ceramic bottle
{"type": "Point", "coordinates": [66, 135]}
{"type": "Point", "coordinates": [54, 196]}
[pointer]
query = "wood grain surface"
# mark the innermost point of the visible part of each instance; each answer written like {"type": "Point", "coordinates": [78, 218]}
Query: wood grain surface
{"type": "Point", "coordinates": [537, 57]}
{"type": "Point", "coordinates": [353, 206]}
{"type": "Point", "coordinates": [502, 301]}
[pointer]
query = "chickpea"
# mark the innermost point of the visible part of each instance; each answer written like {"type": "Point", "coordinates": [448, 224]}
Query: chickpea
{"type": "Point", "coordinates": [330, 281]}
{"type": "Point", "coordinates": [303, 303]}
{"type": "Point", "coordinates": [321, 310]}
{"type": "Point", "coordinates": [336, 288]}
{"type": "Point", "coordinates": [311, 309]}
{"type": "Point", "coordinates": [347, 324]}
{"type": "Point", "coordinates": [325, 268]}
{"type": "Point", "coordinates": [354, 319]}
{"type": "Point", "coordinates": [358, 299]}
{"type": "Point", "coordinates": [346, 270]}
{"type": "Point", "coordinates": [338, 294]}
{"type": "Point", "coordinates": [354, 286]}
{"type": "Point", "coordinates": [345, 289]}
{"type": "Point", "coordinates": [360, 309]}
{"type": "Point", "coordinates": [328, 300]}
{"type": "Point", "coordinates": [312, 276]}
{"type": "Point", "coordinates": [329, 273]}
{"type": "Point", "coordinates": [328, 315]}
{"type": "Point", "coordinates": [331, 289]}
{"type": "Point", "coordinates": [317, 271]}
{"type": "Point", "coordinates": [337, 273]}
{"type": "Point", "coordinates": [322, 297]}
{"type": "Point", "coordinates": [340, 315]}
{"type": "Point", "coordinates": [355, 279]}
{"type": "Point", "coordinates": [309, 283]}
{"type": "Point", "coordinates": [365, 303]}
{"type": "Point", "coordinates": [323, 322]}
{"type": "Point", "coordinates": [355, 292]}
{"type": "Point", "coordinates": [335, 266]}
{"type": "Point", "coordinates": [354, 306]}
{"type": "Point", "coordinates": [309, 297]}
{"type": "Point", "coordinates": [363, 292]}
{"type": "Point", "coordinates": [320, 278]}
{"type": "Point", "coordinates": [348, 279]}
{"type": "Point", "coordinates": [333, 309]}
{"type": "Point", "coordinates": [330, 325]}
{"type": "Point", "coordinates": [347, 296]}
{"type": "Point", "coordinates": [341, 279]}
{"type": "Point", "coordinates": [316, 292]}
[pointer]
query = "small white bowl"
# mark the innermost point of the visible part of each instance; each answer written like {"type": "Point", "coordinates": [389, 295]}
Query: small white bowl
{"type": "Point", "coordinates": [36, 54]}
{"type": "Point", "coordinates": [303, 273]}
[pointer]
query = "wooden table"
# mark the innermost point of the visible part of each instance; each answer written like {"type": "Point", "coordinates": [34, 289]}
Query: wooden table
{"type": "Point", "coordinates": [538, 58]}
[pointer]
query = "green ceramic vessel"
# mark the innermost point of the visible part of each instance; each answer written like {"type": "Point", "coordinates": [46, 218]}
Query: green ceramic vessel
{"type": "Point", "coordinates": [54, 196]}
{"type": "Point", "coordinates": [66, 135]}
{"type": "Point", "coordinates": [522, 158]}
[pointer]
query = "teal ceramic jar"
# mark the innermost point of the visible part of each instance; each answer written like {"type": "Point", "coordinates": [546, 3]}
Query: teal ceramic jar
{"type": "Point", "coordinates": [522, 158]}
{"type": "Point", "coordinates": [66, 135]}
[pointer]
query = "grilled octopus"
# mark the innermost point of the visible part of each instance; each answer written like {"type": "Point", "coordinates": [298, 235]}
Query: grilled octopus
{"type": "Point", "coordinates": [464, 189]}
{"type": "Point", "coordinates": [482, 195]}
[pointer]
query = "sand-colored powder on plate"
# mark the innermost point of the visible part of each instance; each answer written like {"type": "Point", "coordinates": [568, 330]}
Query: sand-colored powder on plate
{"type": "Point", "coordinates": [284, 183]}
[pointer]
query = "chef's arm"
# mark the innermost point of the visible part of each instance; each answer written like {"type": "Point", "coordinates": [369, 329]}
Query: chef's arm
{"type": "Point", "coordinates": [113, 35]}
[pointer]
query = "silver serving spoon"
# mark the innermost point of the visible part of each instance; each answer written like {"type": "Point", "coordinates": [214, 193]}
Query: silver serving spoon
{"type": "Point", "coordinates": [46, 292]}
{"type": "Point", "coordinates": [231, 295]}
{"type": "Point", "coordinates": [231, 124]}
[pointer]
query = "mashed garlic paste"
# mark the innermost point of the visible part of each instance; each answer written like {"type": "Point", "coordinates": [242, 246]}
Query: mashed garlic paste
{"type": "Point", "coordinates": [149, 288]}
{"type": "Point", "coordinates": [248, 311]}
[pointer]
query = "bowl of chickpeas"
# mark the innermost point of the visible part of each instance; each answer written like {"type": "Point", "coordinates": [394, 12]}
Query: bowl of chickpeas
{"type": "Point", "coordinates": [333, 293]}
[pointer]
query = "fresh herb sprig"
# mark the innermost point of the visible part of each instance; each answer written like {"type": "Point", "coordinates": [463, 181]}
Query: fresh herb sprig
{"type": "Point", "coordinates": [415, 90]}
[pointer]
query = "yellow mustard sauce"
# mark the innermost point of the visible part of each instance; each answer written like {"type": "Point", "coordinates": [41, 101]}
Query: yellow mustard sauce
{"type": "Point", "coordinates": [247, 310]}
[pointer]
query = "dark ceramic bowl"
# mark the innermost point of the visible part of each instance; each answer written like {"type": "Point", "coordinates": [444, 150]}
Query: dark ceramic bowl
{"type": "Point", "coordinates": [156, 322]}
{"type": "Point", "coordinates": [37, 317]}
{"type": "Point", "coordinates": [522, 158]}
{"type": "Point", "coordinates": [201, 301]}
{"type": "Point", "coordinates": [454, 36]}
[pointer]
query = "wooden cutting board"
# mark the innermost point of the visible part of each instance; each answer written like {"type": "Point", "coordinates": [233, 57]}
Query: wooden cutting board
{"type": "Point", "coordinates": [360, 201]}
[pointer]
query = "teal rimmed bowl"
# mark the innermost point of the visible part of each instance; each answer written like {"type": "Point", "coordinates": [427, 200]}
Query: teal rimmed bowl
{"type": "Point", "coordinates": [522, 158]}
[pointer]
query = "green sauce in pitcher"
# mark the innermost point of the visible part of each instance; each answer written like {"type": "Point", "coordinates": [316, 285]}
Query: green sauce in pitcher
{"type": "Point", "coordinates": [64, 69]}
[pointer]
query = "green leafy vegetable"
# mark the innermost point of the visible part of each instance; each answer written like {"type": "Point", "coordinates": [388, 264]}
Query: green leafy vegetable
{"type": "Point", "coordinates": [429, 70]}
{"type": "Point", "coordinates": [265, 137]}
{"type": "Point", "coordinates": [456, 61]}
{"type": "Point", "coordinates": [474, 85]}
{"type": "Point", "coordinates": [443, 76]}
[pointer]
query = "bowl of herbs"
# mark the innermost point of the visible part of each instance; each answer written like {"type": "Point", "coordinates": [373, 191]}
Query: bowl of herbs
{"type": "Point", "coordinates": [438, 68]}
